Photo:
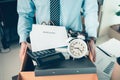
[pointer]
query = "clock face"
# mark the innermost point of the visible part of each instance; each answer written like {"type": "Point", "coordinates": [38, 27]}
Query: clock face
{"type": "Point", "coordinates": [77, 48]}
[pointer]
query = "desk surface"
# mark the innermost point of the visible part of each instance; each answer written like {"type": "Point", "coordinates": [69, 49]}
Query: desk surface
{"type": "Point", "coordinates": [79, 66]}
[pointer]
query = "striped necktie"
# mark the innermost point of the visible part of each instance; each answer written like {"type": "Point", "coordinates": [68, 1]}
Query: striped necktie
{"type": "Point", "coordinates": [55, 12]}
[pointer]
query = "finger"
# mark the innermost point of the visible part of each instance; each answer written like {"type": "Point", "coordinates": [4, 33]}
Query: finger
{"type": "Point", "coordinates": [92, 53]}
{"type": "Point", "coordinates": [22, 53]}
{"type": "Point", "coordinates": [94, 58]}
{"type": "Point", "coordinates": [90, 56]}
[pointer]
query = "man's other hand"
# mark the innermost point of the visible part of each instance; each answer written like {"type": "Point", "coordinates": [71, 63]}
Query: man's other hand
{"type": "Point", "coordinates": [22, 51]}
{"type": "Point", "coordinates": [92, 52]}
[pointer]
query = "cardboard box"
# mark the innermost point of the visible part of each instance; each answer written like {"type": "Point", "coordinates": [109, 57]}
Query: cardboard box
{"type": "Point", "coordinates": [113, 31]}
{"type": "Point", "coordinates": [27, 73]}
{"type": "Point", "coordinates": [27, 68]}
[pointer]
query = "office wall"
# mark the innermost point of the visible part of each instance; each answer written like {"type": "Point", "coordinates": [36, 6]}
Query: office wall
{"type": "Point", "coordinates": [108, 15]}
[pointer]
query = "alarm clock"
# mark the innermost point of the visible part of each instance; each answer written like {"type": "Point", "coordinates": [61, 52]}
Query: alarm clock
{"type": "Point", "coordinates": [77, 48]}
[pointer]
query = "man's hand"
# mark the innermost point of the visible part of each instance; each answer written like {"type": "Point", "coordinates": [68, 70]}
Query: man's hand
{"type": "Point", "coordinates": [22, 51]}
{"type": "Point", "coordinates": [92, 52]}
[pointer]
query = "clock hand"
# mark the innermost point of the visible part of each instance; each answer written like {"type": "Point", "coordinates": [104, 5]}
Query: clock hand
{"type": "Point", "coordinates": [78, 49]}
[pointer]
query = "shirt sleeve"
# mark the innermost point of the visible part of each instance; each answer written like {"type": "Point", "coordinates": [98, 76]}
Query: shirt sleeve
{"type": "Point", "coordinates": [91, 17]}
{"type": "Point", "coordinates": [26, 10]}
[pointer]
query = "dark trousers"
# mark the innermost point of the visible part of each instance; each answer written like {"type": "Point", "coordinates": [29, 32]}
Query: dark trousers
{"type": "Point", "coordinates": [9, 17]}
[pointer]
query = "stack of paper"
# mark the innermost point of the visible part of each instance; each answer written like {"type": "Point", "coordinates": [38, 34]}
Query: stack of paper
{"type": "Point", "coordinates": [111, 47]}
{"type": "Point", "coordinates": [46, 37]}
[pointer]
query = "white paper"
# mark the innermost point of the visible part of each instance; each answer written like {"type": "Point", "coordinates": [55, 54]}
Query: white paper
{"type": "Point", "coordinates": [112, 47]}
{"type": "Point", "coordinates": [102, 62]}
{"type": "Point", "coordinates": [45, 37]}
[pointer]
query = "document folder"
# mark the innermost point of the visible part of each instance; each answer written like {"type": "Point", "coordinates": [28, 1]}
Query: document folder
{"type": "Point", "coordinates": [78, 66]}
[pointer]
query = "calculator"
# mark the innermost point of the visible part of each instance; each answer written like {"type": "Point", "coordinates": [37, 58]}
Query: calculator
{"type": "Point", "coordinates": [46, 57]}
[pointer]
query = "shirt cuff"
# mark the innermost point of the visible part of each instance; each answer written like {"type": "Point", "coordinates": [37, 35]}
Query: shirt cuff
{"type": "Point", "coordinates": [92, 38]}
{"type": "Point", "coordinates": [23, 38]}
{"type": "Point", "coordinates": [92, 33]}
